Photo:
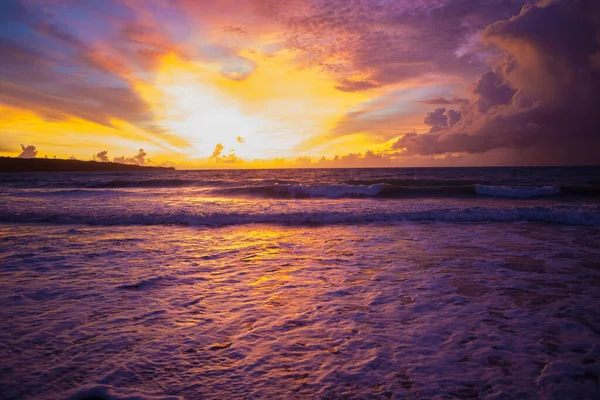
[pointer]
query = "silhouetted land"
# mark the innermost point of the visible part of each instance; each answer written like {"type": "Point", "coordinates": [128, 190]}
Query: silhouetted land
{"type": "Point", "coordinates": [10, 164]}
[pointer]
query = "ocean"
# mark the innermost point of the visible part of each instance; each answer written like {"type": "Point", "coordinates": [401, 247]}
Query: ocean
{"type": "Point", "coordinates": [435, 283]}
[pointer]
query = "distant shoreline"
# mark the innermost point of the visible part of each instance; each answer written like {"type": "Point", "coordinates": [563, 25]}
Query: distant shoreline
{"type": "Point", "coordinates": [11, 164]}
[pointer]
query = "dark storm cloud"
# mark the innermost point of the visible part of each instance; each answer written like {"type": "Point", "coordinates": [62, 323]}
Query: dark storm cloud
{"type": "Point", "coordinates": [542, 97]}
{"type": "Point", "coordinates": [491, 90]}
{"type": "Point", "coordinates": [440, 118]}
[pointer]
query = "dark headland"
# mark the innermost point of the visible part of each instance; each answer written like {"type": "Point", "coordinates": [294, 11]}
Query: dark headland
{"type": "Point", "coordinates": [10, 164]}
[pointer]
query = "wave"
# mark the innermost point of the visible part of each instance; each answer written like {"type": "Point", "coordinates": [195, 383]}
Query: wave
{"type": "Point", "coordinates": [517, 191]}
{"type": "Point", "coordinates": [386, 190]}
{"type": "Point", "coordinates": [171, 183]}
{"type": "Point", "coordinates": [281, 188]}
{"type": "Point", "coordinates": [559, 214]}
{"type": "Point", "coordinates": [422, 182]}
{"type": "Point", "coordinates": [73, 183]}
{"type": "Point", "coordinates": [342, 190]}
{"type": "Point", "coordinates": [150, 183]}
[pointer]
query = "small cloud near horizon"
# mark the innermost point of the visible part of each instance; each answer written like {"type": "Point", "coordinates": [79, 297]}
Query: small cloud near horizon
{"type": "Point", "coordinates": [102, 156]}
{"type": "Point", "coordinates": [28, 152]}
{"type": "Point", "coordinates": [138, 159]}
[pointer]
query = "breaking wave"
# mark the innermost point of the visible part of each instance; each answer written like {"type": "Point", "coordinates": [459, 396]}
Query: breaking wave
{"type": "Point", "coordinates": [517, 191]}
{"type": "Point", "coordinates": [559, 214]}
{"type": "Point", "coordinates": [387, 190]}
{"type": "Point", "coordinates": [345, 190]}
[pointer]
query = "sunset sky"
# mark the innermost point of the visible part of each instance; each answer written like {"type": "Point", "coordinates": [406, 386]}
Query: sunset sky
{"type": "Point", "coordinates": [268, 83]}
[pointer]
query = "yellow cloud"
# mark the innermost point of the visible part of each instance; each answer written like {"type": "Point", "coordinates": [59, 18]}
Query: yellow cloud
{"type": "Point", "coordinates": [71, 136]}
{"type": "Point", "coordinates": [274, 108]}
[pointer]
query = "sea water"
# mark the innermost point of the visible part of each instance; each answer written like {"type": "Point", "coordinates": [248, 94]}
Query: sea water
{"type": "Point", "coordinates": [376, 283]}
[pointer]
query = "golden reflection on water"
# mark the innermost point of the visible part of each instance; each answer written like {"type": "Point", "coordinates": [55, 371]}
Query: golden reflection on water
{"type": "Point", "coordinates": [331, 312]}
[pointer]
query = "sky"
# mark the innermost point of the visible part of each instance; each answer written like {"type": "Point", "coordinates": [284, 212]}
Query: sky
{"type": "Point", "coordinates": [290, 83]}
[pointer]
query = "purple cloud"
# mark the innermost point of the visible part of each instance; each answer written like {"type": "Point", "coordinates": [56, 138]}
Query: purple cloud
{"type": "Point", "coordinates": [102, 156]}
{"type": "Point", "coordinates": [28, 152]}
{"type": "Point", "coordinates": [541, 98]}
{"type": "Point", "coordinates": [389, 41]}
{"type": "Point", "coordinates": [491, 91]}
{"type": "Point", "coordinates": [138, 159]}
{"type": "Point", "coordinates": [437, 118]}
{"type": "Point", "coordinates": [440, 101]}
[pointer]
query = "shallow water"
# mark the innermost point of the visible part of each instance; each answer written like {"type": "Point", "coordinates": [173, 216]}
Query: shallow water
{"type": "Point", "coordinates": [388, 283]}
{"type": "Point", "coordinates": [396, 310]}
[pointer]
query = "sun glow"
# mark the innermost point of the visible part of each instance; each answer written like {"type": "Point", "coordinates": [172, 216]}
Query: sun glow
{"type": "Point", "coordinates": [195, 101]}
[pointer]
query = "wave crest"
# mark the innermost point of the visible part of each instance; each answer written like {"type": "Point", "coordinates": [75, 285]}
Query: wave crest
{"type": "Point", "coordinates": [386, 190]}
{"type": "Point", "coordinates": [560, 214]}
{"type": "Point", "coordinates": [517, 191]}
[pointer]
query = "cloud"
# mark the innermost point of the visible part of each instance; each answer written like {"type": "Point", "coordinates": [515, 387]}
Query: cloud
{"type": "Point", "coordinates": [384, 116]}
{"type": "Point", "coordinates": [541, 98]}
{"type": "Point", "coordinates": [237, 68]}
{"type": "Point", "coordinates": [533, 68]}
{"type": "Point", "coordinates": [102, 156]}
{"type": "Point", "coordinates": [439, 101]}
{"type": "Point", "coordinates": [347, 85]}
{"type": "Point", "coordinates": [384, 159]}
{"type": "Point", "coordinates": [138, 159]}
{"type": "Point", "coordinates": [389, 42]}
{"type": "Point", "coordinates": [491, 90]}
{"type": "Point", "coordinates": [440, 119]}
{"type": "Point", "coordinates": [354, 160]}
{"type": "Point", "coordinates": [453, 117]}
{"type": "Point", "coordinates": [350, 160]}
{"type": "Point", "coordinates": [141, 157]}
{"type": "Point", "coordinates": [28, 152]}
{"type": "Point", "coordinates": [60, 67]}
{"type": "Point", "coordinates": [437, 118]}
{"type": "Point", "coordinates": [230, 158]}
{"type": "Point", "coordinates": [217, 151]}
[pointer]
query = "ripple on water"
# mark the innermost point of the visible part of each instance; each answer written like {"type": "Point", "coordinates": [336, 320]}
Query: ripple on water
{"type": "Point", "coordinates": [466, 311]}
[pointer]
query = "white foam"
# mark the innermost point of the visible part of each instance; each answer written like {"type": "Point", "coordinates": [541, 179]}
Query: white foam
{"type": "Point", "coordinates": [262, 312]}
